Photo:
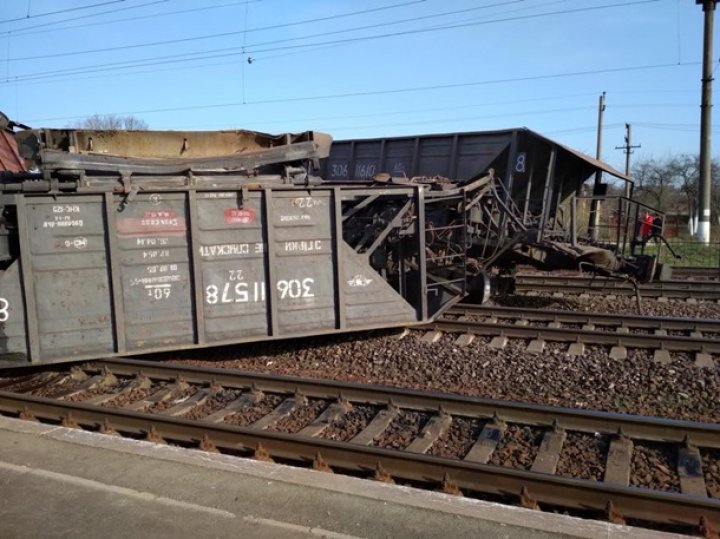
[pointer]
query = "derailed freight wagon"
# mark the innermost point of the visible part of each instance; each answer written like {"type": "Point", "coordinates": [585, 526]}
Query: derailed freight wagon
{"type": "Point", "coordinates": [118, 243]}
{"type": "Point", "coordinates": [532, 166]}
{"type": "Point", "coordinates": [542, 215]}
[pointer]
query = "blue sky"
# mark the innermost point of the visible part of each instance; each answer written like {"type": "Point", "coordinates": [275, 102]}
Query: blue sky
{"type": "Point", "coordinates": [364, 69]}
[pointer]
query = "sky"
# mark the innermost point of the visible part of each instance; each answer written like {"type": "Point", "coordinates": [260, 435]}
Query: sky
{"type": "Point", "coordinates": [378, 68]}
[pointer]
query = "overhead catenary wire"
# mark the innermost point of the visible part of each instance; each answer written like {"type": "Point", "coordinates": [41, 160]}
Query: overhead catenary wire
{"type": "Point", "coordinates": [528, 78]}
{"type": "Point", "coordinates": [244, 32]}
{"type": "Point", "coordinates": [235, 51]}
{"type": "Point", "coordinates": [463, 118]}
{"type": "Point", "coordinates": [60, 11]}
{"type": "Point", "coordinates": [454, 26]}
{"type": "Point", "coordinates": [46, 27]}
{"type": "Point", "coordinates": [414, 111]}
{"type": "Point", "coordinates": [43, 28]}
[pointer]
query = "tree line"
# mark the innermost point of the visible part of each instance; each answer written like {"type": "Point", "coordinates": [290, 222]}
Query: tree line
{"type": "Point", "coordinates": [111, 122]}
{"type": "Point", "coordinates": [671, 185]}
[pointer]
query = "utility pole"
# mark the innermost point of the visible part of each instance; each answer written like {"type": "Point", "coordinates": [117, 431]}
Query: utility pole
{"type": "Point", "coordinates": [703, 229]}
{"type": "Point", "coordinates": [594, 204]}
{"type": "Point", "coordinates": [628, 149]}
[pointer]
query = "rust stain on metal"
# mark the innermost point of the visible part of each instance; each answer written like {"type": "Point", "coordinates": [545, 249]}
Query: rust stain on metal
{"type": "Point", "coordinates": [206, 444]}
{"type": "Point", "coordinates": [107, 428]}
{"type": "Point", "coordinates": [613, 515]}
{"type": "Point", "coordinates": [527, 501]}
{"type": "Point", "coordinates": [262, 454]}
{"type": "Point", "coordinates": [153, 436]}
{"type": "Point", "coordinates": [449, 486]}
{"type": "Point", "coordinates": [10, 159]}
{"type": "Point", "coordinates": [69, 422]}
{"type": "Point", "coordinates": [320, 465]}
{"type": "Point", "coordinates": [381, 474]}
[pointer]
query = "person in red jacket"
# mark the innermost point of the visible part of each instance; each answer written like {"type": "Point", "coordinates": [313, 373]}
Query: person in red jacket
{"type": "Point", "coordinates": [646, 229]}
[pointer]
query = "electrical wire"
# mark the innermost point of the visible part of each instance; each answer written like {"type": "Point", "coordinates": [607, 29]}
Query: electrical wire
{"type": "Point", "coordinates": [22, 32]}
{"type": "Point", "coordinates": [265, 28]}
{"type": "Point", "coordinates": [67, 10]}
{"type": "Point", "coordinates": [449, 27]}
{"type": "Point", "coordinates": [463, 118]}
{"type": "Point", "coordinates": [586, 129]}
{"type": "Point", "coordinates": [488, 82]}
{"type": "Point", "coordinates": [685, 128]}
{"type": "Point", "coordinates": [235, 51]}
{"type": "Point", "coordinates": [35, 29]}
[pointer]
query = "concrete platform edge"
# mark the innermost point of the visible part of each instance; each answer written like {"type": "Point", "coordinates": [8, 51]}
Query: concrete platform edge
{"type": "Point", "coordinates": [427, 500]}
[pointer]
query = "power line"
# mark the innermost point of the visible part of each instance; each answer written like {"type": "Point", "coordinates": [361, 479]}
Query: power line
{"type": "Point", "coordinates": [67, 10]}
{"type": "Point", "coordinates": [656, 105]}
{"type": "Point", "coordinates": [463, 118]}
{"type": "Point", "coordinates": [22, 32]}
{"type": "Point", "coordinates": [27, 32]}
{"type": "Point", "coordinates": [480, 83]}
{"type": "Point", "coordinates": [235, 51]}
{"type": "Point", "coordinates": [586, 129]}
{"type": "Point", "coordinates": [265, 28]}
{"type": "Point", "coordinates": [398, 90]}
{"type": "Point", "coordinates": [686, 128]}
{"type": "Point", "coordinates": [445, 27]}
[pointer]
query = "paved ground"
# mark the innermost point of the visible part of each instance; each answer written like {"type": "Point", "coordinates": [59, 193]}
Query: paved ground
{"type": "Point", "coordinates": [57, 482]}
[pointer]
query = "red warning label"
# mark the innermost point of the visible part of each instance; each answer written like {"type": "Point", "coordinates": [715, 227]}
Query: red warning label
{"type": "Point", "coordinates": [240, 216]}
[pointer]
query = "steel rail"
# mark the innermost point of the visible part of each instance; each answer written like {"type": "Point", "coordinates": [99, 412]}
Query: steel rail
{"type": "Point", "coordinates": [696, 271]}
{"type": "Point", "coordinates": [587, 285]}
{"type": "Point", "coordinates": [682, 284]}
{"type": "Point", "coordinates": [631, 502]}
{"type": "Point", "coordinates": [630, 340]}
{"type": "Point", "coordinates": [579, 317]}
{"type": "Point", "coordinates": [649, 428]}
{"type": "Point", "coordinates": [677, 272]}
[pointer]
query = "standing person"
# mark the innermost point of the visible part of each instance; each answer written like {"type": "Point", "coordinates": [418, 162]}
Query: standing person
{"type": "Point", "coordinates": [646, 228]}
{"type": "Point", "coordinates": [657, 226]}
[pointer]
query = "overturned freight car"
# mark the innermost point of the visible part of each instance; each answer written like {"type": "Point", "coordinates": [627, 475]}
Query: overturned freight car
{"type": "Point", "coordinates": [119, 243]}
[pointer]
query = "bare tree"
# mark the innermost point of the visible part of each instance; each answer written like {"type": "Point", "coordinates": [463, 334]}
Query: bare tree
{"type": "Point", "coordinates": [671, 185]}
{"type": "Point", "coordinates": [111, 122]}
{"type": "Point", "coordinates": [653, 184]}
{"type": "Point", "coordinates": [685, 171]}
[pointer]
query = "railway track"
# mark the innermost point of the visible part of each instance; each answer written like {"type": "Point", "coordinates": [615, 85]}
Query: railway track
{"type": "Point", "coordinates": [695, 327]}
{"type": "Point", "coordinates": [660, 334]}
{"type": "Point", "coordinates": [684, 289]}
{"type": "Point", "coordinates": [460, 444]}
{"type": "Point", "coordinates": [678, 272]}
{"type": "Point", "coordinates": [693, 272]}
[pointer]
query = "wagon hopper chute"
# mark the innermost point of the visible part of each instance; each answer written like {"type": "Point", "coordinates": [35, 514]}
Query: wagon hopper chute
{"type": "Point", "coordinates": [119, 243]}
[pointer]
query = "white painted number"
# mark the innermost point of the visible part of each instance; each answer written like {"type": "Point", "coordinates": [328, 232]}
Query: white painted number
{"type": "Point", "coordinates": [241, 292]}
{"type": "Point", "coordinates": [211, 294]}
{"type": "Point", "coordinates": [234, 293]}
{"type": "Point", "coordinates": [520, 162]}
{"type": "Point", "coordinates": [364, 170]}
{"type": "Point", "coordinates": [339, 170]}
{"type": "Point", "coordinates": [158, 293]}
{"type": "Point", "coordinates": [4, 310]}
{"type": "Point", "coordinates": [295, 288]}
